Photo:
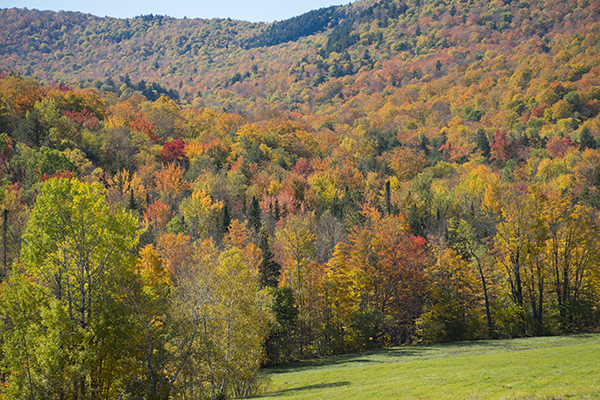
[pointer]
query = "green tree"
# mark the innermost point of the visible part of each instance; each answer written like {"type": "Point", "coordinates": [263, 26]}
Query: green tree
{"type": "Point", "coordinates": [453, 310]}
{"type": "Point", "coordinates": [39, 121]}
{"type": "Point", "coordinates": [482, 143]}
{"type": "Point", "coordinates": [159, 360]}
{"type": "Point", "coordinates": [470, 245]}
{"type": "Point", "coordinates": [280, 344]}
{"type": "Point", "coordinates": [586, 139]}
{"type": "Point", "coordinates": [78, 253]}
{"type": "Point", "coordinates": [201, 215]}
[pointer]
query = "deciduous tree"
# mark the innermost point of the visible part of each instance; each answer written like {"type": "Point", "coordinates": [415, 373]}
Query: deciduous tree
{"type": "Point", "coordinates": [78, 251]}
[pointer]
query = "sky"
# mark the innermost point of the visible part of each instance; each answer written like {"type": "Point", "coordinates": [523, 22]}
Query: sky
{"type": "Point", "coordinates": [246, 10]}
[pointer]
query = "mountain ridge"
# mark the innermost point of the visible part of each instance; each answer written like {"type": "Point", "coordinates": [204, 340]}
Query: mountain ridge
{"type": "Point", "coordinates": [208, 61]}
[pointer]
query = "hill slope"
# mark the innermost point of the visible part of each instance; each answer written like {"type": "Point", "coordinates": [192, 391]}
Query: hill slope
{"type": "Point", "coordinates": [361, 48]}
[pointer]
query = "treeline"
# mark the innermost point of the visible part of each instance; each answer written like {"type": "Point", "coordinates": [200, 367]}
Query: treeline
{"type": "Point", "coordinates": [338, 21]}
{"type": "Point", "coordinates": [68, 46]}
{"type": "Point", "coordinates": [124, 87]}
{"type": "Point", "coordinates": [221, 242]}
{"type": "Point", "coordinates": [292, 29]}
{"type": "Point", "coordinates": [346, 34]}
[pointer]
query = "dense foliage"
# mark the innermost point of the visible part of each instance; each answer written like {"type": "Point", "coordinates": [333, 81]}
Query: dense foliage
{"type": "Point", "coordinates": [295, 28]}
{"type": "Point", "coordinates": [418, 172]}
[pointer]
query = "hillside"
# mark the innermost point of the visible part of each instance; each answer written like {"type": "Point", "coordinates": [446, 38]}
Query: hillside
{"type": "Point", "coordinates": [468, 59]}
{"type": "Point", "coordinates": [238, 195]}
{"type": "Point", "coordinates": [400, 40]}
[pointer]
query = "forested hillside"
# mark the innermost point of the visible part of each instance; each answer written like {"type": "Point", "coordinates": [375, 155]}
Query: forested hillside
{"type": "Point", "coordinates": [186, 201]}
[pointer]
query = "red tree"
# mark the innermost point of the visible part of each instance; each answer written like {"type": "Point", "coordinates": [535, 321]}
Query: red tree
{"type": "Point", "coordinates": [501, 149]}
{"type": "Point", "coordinates": [142, 125]}
{"type": "Point", "coordinates": [557, 147]}
{"type": "Point", "coordinates": [174, 151]}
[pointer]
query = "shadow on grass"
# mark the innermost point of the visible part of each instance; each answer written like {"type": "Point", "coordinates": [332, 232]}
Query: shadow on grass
{"type": "Point", "coordinates": [381, 355]}
{"type": "Point", "coordinates": [307, 388]}
{"type": "Point", "coordinates": [387, 355]}
{"type": "Point", "coordinates": [440, 350]}
{"type": "Point", "coordinates": [354, 359]}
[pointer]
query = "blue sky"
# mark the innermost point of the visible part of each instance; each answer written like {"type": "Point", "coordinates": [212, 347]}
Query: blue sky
{"type": "Point", "coordinates": [248, 10]}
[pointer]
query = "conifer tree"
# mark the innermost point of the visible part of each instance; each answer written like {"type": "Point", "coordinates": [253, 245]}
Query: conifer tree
{"type": "Point", "coordinates": [482, 143]}
{"type": "Point", "coordinates": [270, 269]}
{"type": "Point", "coordinates": [254, 215]}
{"type": "Point", "coordinates": [276, 211]}
{"type": "Point", "coordinates": [586, 139]}
{"type": "Point", "coordinates": [225, 220]}
{"type": "Point", "coordinates": [132, 205]}
{"type": "Point", "coordinates": [424, 144]}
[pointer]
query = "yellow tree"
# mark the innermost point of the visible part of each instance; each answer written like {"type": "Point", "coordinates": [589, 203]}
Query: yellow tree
{"type": "Point", "coordinates": [389, 261]}
{"type": "Point", "coordinates": [201, 214]}
{"type": "Point", "coordinates": [127, 189]}
{"type": "Point", "coordinates": [511, 242]}
{"type": "Point", "coordinates": [166, 119]}
{"type": "Point", "coordinates": [174, 250]}
{"type": "Point", "coordinates": [296, 242]}
{"type": "Point", "coordinates": [571, 253]}
{"type": "Point", "coordinates": [406, 163]}
{"type": "Point", "coordinates": [226, 319]}
{"type": "Point", "coordinates": [452, 313]}
{"type": "Point", "coordinates": [342, 299]}
{"type": "Point", "coordinates": [241, 237]}
{"type": "Point", "coordinates": [519, 243]}
{"type": "Point", "coordinates": [170, 184]}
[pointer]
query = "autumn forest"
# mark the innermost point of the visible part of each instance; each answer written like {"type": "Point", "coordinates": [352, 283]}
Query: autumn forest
{"type": "Point", "coordinates": [187, 201]}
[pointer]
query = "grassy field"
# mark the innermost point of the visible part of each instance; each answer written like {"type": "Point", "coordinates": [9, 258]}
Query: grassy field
{"type": "Point", "coordinates": [566, 367]}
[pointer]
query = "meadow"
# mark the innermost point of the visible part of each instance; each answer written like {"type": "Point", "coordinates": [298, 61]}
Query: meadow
{"type": "Point", "coordinates": [562, 367]}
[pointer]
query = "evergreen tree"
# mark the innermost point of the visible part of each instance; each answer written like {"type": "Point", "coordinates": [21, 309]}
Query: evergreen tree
{"type": "Point", "coordinates": [132, 205]}
{"type": "Point", "coordinates": [225, 220]}
{"type": "Point", "coordinates": [424, 144]}
{"type": "Point", "coordinates": [254, 215]}
{"type": "Point", "coordinates": [388, 200]}
{"type": "Point", "coordinates": [586, 139]}
{"type": "Point", "coordinates": [276, 212]}
{"type": "Point", "coordinates": [4, 271]}
{"type": "Point", "coordinates": [482, 143]}
{"type": "Point", "coordinates": [417, 225]}
{"type": "Point", "coordinates": [269, 268]}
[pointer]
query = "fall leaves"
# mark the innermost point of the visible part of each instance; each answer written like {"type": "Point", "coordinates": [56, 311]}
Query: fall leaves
{"type": "Point", "coordinates": [431, 187]}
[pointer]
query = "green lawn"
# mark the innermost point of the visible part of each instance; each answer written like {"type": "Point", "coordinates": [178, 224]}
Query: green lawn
{"type": "Point", "coordinates": [566, 367]}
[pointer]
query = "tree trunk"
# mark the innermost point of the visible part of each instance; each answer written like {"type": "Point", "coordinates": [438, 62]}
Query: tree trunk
{"type": "Point", "coordinates": [488, 314]}
{"type": "Point", "coordinates": [4, 273]}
